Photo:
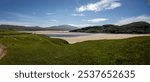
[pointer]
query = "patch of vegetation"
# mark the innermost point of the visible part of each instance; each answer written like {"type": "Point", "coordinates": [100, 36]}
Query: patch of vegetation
{"type": "Point", "coordinates": [11, 32]}
{"type": "Point", "coordinates": [31, 49]}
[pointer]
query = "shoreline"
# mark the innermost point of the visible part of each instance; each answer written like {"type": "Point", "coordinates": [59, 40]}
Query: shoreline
{"type": "Point", "coordinates": [88, 37]}
{"type": "Point", "coordinates": [72, 40]}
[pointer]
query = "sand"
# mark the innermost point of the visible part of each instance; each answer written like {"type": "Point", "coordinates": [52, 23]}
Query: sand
{"type": "Point", "coordinates": [72, 40]}
{"type": "Point", "coordinates": [2, 51]}
{"type": "Point", "coordinates": [97, 36]}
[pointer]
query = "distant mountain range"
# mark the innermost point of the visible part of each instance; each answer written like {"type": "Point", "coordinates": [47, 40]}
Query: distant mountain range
{"type": "Point", "coordinates": [36, 28]}
{"type": "Point", "coordinates": [132, 28]}
{"type": "Point", "coordinates": [62, 27]}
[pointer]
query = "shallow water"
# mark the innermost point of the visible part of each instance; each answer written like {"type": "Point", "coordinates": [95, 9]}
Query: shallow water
{"type": "Point", "coordinates": [67, 35]}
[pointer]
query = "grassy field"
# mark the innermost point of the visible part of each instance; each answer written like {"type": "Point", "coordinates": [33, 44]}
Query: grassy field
{"type": "Point", "coordinates": [29, 49]}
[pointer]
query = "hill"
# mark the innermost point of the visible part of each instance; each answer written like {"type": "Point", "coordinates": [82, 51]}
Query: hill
{"type": "Point", "coordinates": [132, 28]}
{"type": "Point", "coordinates": [36, 28]}
{"type": "Point", "coordinates": [45, 50]}
{"type": "Point", "coordinates": [62, 28]}
{"type": "Point", "coordinates": [20, 28]}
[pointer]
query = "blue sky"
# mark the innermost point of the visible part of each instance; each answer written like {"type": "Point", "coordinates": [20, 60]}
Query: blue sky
{"type": "Point", "coordinates": [73, 12]}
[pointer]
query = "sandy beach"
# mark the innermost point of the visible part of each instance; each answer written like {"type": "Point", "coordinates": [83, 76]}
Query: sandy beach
{"type": "Point", "coordinates": [72, 40]}
{"type": "Point", "coordinates": [97, 36]}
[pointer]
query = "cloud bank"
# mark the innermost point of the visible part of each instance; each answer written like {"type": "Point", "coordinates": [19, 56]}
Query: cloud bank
{"type": "Point", "coordinates": [134, 19]}
{"type": "Point", "coordinates": [100, 6]}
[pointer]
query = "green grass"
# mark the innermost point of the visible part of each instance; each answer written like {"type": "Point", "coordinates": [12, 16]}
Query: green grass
{"type": "Point", "coordinates": [29, 49]}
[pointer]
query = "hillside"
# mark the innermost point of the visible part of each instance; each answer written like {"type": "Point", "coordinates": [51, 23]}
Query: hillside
{"type": "Point", "coordinates": [62, 28]}
{"type": "Point", "coordinates": [36, 28]}
{"type": "Point", "coordinates": [45, 50]}
{"type": "Point", "coordinates": [20, 28]}
{"type": "Point", "coordinates": [132, 28]}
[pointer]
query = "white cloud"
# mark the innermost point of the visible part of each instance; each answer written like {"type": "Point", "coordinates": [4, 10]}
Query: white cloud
{"type": "Point", "coordinates": [134, 19]}
{"type": "Point", "coordinates": [97, 20]}
{"type": "Point", "coordinates": [78, 15]}
{"type": "Point", "coordinates": [114, 5]}
{"type": "Point", "coordinates": [81, 25]}
{"type": "Point", "coordinates": [100, 6]}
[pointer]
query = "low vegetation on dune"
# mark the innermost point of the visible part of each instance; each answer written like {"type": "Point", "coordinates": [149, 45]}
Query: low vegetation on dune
{"type": "Point", "coordinates": [29, 49]}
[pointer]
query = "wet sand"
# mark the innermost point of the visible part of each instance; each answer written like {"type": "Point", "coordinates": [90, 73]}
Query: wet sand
{"type": "Point", "coordinates": [96, 36]}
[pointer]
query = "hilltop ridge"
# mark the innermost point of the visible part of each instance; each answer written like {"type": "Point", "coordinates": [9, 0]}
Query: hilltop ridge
{"type": "Point", "coordinates": [132, 28]}
{"type": "Point", "coordinates": [37, 28]}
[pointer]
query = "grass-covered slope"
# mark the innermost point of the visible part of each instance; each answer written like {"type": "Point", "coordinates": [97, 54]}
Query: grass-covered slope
{"type": "Point", "coordinates": [39, 49]}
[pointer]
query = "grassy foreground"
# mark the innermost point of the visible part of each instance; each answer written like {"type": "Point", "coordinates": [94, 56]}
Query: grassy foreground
{"type": "Point", "coordinates": [34, 49]}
